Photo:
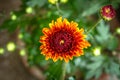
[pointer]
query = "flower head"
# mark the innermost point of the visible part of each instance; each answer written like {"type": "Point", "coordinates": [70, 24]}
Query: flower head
{"type": "Point", "coordinates": [63, 40]}
{"type": "Point", "coordinates": [53, 1]}
{"type": "Point", "coordinates": [107, 12]}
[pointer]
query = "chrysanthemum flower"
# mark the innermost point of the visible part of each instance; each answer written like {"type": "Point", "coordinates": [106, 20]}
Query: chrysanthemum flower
{"type": "Point", "coordinates": [63, 40]}
{"type": "Point", "coordinates": [107, 12]}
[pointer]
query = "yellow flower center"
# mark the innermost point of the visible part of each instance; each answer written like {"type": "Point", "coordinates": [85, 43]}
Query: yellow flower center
{"type": "Point", "coordinates": [107, 10]}
{"type": "Point", "coordinates": [62, 42]}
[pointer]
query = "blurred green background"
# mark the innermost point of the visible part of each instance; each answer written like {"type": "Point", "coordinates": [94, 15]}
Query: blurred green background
{"type": "Point", "coordinates": [100, 62]}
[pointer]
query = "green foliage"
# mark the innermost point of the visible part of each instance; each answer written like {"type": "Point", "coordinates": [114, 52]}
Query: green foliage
{"type": "Point", "coordinates": [55, 71]}
{"type": "Point", "coordinates": [104, 37]}
{"type": "Point", "coordinates": [103, 33]}
{"type": "Point", "coordinates": [34, 3]}
{"type": "Point", "coordinates": [92, 9]}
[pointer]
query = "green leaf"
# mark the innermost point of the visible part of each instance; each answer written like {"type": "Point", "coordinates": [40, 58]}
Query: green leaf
{"type": "Point", "coordinates": [27, 37]}
{"type": "Point", "coordinates": [114, 68]}
{"type": "Point", "coordinates": [10, 25]}
{"type": "Point", "coordinates": [103, 30]}
{"type": "Point", "coordinates": [111, 66]}
{"type": "Point", "coordinates": [77, 61]}
{"type": "Point", "coordinates": [98, 73]}
{"type": "Point", "coordinates": [66, 13]}
{"type": "Point", "coordinates": [112, 43]}
{"type": "Point", "coordinates": [39, 3]}
{"type": "Point", "coordinates": [68, 69]}
{"type": "Point", "coordinates": [89, 74]}
{"type": "Point", "coordinates": [55, 71]}
{"type": "Point", "coordinates": [94, 65]}
{"type": "Point", "coordinates": [97, 58]}
{"type": "Point", "coordinates": [103, 34]}
{"type": "Point", "coordinates": [91, 10]}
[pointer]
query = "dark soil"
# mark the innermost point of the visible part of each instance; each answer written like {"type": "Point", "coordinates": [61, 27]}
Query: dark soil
{"type": "Point", "coordinates": [11, 67]}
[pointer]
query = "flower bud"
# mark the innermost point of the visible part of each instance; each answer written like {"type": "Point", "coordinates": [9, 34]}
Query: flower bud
{"type": "Point", "coordinates": [107, 12]}
{"type": "Point", "coordinates": [53, 1]}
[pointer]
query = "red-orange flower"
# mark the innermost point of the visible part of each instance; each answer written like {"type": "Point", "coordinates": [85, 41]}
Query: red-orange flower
{"type": "Point", "coordinates": [63, 40]}
{"type": "Point", "coordinates": [107, 12]}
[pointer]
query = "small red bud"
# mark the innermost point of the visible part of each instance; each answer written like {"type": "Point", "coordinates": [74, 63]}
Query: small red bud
{"type": "Point", "coordinates": [107, 12]}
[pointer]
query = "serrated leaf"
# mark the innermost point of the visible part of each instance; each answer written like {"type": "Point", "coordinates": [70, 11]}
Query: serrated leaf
{"type": "Point", "coordinates": [103, 33]}
{"type": "Point", "coordinates": [103, 30]}
{"type": "Point", "coordinates": [94, 65]}
{"type": "Point", "coordinates": [114, 68]}
{"type": "Point", "coordinates": [99, 39]}
{"type": "Point", "coordinates": [97, 58]}
{"type": "Point", "coordinates": [89, 74]}
{"type": "Point", "coordinates": [112, 43]}
{"type": "Point", "coordinates": [98, 73]}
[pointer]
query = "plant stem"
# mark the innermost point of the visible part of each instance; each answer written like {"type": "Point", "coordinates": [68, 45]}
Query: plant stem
{"type": "Point", "coordinates": [94, 25]}
{"type": "Point", "coordinates": [58, 8]}
{"type": "Point", "coordinates": [63, 71]}
{"type": "Point", "coordinates": [109, 1]}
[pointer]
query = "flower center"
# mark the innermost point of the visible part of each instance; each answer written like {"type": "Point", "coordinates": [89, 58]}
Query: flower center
{"type": "Point", "coordinates": [61, 41]}
{"type": "Point", "coordinates": [107, 10]}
